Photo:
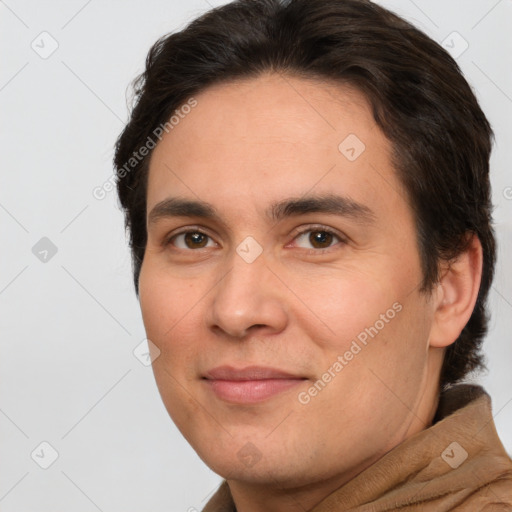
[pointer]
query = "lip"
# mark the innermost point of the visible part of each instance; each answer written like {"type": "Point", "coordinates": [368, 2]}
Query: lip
{"type": "Point", "coordinates": [249, 385]}
{"type": "Point", "coordinates": [248, 373]}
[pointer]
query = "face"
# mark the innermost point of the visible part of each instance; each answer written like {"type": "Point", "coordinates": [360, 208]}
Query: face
{"type": "Point", "coordinates": [280, 284]}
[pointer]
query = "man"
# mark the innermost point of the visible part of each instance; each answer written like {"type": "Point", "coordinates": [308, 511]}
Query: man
{"type": "Point", "coordinates": [306, 186]}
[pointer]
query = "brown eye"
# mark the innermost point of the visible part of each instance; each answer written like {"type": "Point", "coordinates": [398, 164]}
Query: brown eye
{"type": "Point", "coordinates": [190, 240]}
{"type": "Point", "coordinates": [193, 240]}
{"type": "Point", "coordinates": [318, 238]}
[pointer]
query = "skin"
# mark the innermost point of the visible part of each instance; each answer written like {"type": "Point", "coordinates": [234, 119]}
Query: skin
{"type": "Point", "coordinates": [300, 304]}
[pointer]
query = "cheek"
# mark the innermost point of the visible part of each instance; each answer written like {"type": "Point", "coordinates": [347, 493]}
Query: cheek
{"type": "Point", "coordinates": [164, 300]}
{"type": "Point", "coordinates": [338, 308]}
{"type": "Point", "coordinates": [167, 306]}
{"type": "Point", "coordinates": [373, 319]}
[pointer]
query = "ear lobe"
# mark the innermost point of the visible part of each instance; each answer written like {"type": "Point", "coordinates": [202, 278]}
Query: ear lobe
{"type": "Point", "coordinates": [457, 292]}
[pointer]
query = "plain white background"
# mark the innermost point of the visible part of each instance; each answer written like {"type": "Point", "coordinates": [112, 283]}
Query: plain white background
{"type": "Point", "coordinates": [70, 323]}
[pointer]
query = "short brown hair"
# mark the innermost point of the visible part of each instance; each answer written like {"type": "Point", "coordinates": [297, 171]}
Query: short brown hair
{"type": "Point", "coordinates": [441, 139]}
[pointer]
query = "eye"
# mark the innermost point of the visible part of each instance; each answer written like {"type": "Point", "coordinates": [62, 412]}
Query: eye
{"type": "Point", "coordinates": [318, 237]}
{"type": "Point", "coordinates": [192, 239]}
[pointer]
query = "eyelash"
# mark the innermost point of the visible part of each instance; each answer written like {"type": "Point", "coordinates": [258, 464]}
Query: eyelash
{"type": "Point", "coordinates": [319, 228]}
{"type": "Point", "coordinates": [316, 228]}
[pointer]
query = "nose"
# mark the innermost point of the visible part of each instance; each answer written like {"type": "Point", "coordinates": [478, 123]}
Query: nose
{"type": "Point", "coordinates": [249, 297]}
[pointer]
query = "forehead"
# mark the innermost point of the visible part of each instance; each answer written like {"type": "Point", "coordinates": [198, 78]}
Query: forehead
{"type": "Point", "coordinates": [276, 107]}
{"type": "Point", "coordinates": [273, 135]}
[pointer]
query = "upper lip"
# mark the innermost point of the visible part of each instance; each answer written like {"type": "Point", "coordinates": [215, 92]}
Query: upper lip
{"type": "Point", "coordinates": [248, 373]}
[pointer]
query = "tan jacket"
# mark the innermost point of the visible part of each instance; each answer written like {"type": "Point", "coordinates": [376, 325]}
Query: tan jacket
{"type": "Point", "coordinates": [457, 464]}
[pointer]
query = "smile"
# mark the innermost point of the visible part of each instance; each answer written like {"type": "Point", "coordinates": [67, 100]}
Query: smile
{"type": "Point", "coordinates": [249, 385]}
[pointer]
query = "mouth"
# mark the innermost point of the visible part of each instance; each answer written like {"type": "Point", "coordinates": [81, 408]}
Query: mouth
{"type": "Point", "coordinates": [249, 385]}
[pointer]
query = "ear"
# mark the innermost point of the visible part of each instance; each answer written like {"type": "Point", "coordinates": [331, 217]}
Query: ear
{"type": "Point", "coordinates": [456, 294]}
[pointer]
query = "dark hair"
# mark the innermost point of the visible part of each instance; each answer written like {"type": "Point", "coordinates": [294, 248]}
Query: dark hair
{"type": "Point", "coordinates": [440, 137]}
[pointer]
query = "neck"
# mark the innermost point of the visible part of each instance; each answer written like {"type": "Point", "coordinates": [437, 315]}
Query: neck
{"type": "Point", "coordinates": [281, 497]}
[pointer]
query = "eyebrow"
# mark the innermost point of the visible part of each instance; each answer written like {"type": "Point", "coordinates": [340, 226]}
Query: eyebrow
{"type": "Point", "coordinates": [290, 207]}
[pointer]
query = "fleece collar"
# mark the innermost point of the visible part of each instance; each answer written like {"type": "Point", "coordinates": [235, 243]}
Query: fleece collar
{"type": "Point", "coordinates": [457, 464]}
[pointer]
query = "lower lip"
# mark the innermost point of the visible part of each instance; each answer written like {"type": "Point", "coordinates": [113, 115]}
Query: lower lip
{"type": "Point", "coordinates": [250, 391]}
